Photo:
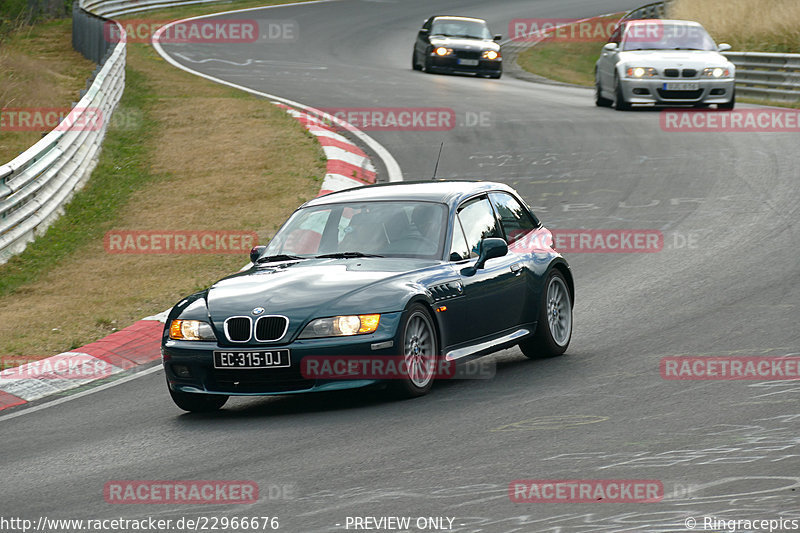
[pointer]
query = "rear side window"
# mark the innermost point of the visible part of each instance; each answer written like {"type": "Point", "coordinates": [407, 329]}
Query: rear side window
{"type": "Point", "coordinates": [514, 218]}
{"type": "Point", "coordinates": [478, 220]}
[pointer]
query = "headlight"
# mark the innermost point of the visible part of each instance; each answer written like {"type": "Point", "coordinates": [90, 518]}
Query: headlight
{"type": "Point", "coordinates": [442, 51]}
{"type": "Point", "coordinates": [716, 72]}
{"type": "Point", "coordinates": [491, 54]}
{"type": "Point", "coordinates": [339, 326]}
{"type": "Point", "coordinates": [191, 330]}
{"type": "Point", "coordinates": [641, 72]}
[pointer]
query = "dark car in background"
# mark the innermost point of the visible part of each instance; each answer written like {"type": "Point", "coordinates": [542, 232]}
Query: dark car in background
{"type": "Point", "coordinates": [457, 45]}
{"type": "Point", "coordinates": [419, 271]}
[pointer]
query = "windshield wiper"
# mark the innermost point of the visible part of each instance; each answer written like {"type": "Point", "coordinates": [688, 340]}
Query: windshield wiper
{"type": "Point", "coordinates": [345, 255]}
{"type": "Point", "coordinates": [279, 257]}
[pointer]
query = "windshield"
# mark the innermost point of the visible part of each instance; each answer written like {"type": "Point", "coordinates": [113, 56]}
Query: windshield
{"type": "Point", "coordinates": [386, 229]}
{"type": "Point", "coordinates": [658, 35]}
{"type": "Point", "coordinates": [460, 28]}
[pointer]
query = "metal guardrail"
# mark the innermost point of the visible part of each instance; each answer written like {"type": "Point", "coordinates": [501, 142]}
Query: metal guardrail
{"type": "Point", "coordinates": [767, 76]}
{"type": "Point", "coordinates": [656, 10]}
{"type": "Point", "coordinates": [113, 8]}
{"type": "Point", "coordinates": [35, 186]}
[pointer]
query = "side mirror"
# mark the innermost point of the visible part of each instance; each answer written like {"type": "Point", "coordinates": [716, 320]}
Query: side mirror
{"type": "Point", "coordinates": [424, 31]}
{"type": "Point", "coordinates": [610, 47]}
{"type": "Point", "coordinates": [489, 249]}
{"type": "Point", "coordinates": [497, 37]}
{"type": "Point", "coordinates": [256, 252]}
{"type": "Point", "coordinates": [723, 47]}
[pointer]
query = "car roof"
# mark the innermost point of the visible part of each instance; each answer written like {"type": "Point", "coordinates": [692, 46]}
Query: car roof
{"type": "Point", "coordinates": [636, 22]}
{"type": "Point", "coordinates": [456, 17]}
{"type": "Point", "coordinates": [450, 192]}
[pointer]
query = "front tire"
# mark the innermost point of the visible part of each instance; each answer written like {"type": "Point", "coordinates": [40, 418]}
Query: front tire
{"type": "Point", "coordinates": [554, 328]}
{"type": "Point", "coordinates": [420, 347]}
{"type": "Point", "coordinates": [599, 100]}
{"type": "Point", "coordinates": [620, 104]}
{"type": "Point", "coordinates": [197, 403]}
{"type": "Point", "coordinates": [414, 64]}
{"type": "Point", "coordinates": [728, 106]}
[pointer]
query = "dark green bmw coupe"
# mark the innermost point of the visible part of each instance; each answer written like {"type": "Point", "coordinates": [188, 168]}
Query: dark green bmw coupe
{"type": "Point", "coordinates": [395, 283]}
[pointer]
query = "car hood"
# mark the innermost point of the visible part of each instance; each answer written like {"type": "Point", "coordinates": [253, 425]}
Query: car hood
{"type": "Point", "coordinates": [460, 43]}
{"type": "Point", "coordinates": [307, 289]}
{"type": "Point", "coordinates": [674, 58]}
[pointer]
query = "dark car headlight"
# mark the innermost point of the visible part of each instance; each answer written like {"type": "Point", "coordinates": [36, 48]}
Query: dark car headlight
{"type": "Point", "coordinates": [491, 55]}
{"type": "Point", "coordinates": [341, 326]}
{"type": "Point", "coordinates": [441, 51]}
{"type": "Point", "coordinates": [191, 330]}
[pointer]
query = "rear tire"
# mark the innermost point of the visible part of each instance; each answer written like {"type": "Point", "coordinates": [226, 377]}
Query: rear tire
{"type": "Point", "coordinates": [554, 328]}
{"type": "Point", "coordinates": [197, 403]}
{"type": "Point", "coordinates": [619, 98]}
{"type": "Point", "coordinates": [420, 347]}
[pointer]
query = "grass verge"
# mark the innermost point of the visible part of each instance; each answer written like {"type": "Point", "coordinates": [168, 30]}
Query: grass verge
{"type": "Point", "coordinates": [38, 69]}
{"type": "Point", "coordinates": [182, 154]}
{"type": "Point", "coordinates": [562, 58]}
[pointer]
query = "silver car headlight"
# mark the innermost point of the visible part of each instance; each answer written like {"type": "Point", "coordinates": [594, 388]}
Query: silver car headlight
{"type": "Point", "coordinates": [716, 72]}
{"type": "Point", "coordinates": [191, 330]}
{"type": "Point", "coordinates": [641, 72]}
{"type": "Point", "coordinates": [341, 326]}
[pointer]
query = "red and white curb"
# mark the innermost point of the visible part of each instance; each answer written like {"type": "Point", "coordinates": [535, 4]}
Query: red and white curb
{"type": "Point", "coordinates": [347, 167]}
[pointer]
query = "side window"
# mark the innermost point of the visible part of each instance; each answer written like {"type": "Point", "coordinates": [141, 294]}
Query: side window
{"type": "Point", "coordinates": [477, 219]}
{"type": "Point", "coordinates": [459, 250]}
{"type": "Point", "coordinates": [514, 218]}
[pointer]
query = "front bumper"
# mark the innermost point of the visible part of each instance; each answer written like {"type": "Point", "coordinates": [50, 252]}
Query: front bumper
{"type": "Point", "coordinates": [453, 63]}
{"type": "Point", "coordinates": [205, 379]}
{"type": "Point", "coordinates": [651, 91]}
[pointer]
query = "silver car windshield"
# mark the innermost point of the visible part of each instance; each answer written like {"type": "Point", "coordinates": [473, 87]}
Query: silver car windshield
{"type": "Point", "coordinates": [658, 35]}
{"type": "Point", "coordinates": [460, 28]}
{"type": "Point", "coordinates": [378, 228]}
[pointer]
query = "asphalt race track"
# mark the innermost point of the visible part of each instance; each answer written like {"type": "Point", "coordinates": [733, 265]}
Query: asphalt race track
{"type": "Point", "coordinates": [725, 284]}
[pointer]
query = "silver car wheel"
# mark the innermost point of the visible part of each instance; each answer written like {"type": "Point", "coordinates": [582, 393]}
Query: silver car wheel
{"type": "Point", "coordinates": [419, 349]}
{"type": "Point", "coordinates": [559, 311]}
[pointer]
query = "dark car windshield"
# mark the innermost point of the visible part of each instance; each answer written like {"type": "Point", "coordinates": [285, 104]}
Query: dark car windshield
{"type": "Point", "coordinates": [385, 228]}
{"type": "Point", "coordinates": [460, 28]}
{"type": "Point", "coordinates": [659, 35]}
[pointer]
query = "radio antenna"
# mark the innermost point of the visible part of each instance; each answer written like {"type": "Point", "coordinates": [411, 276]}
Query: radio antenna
{"type": "Point", "coordinates": [437, 161]}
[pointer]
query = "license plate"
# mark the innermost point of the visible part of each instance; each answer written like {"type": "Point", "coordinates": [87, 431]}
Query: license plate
{"type": "Point", "coordinates": [468, 62]}
{"type": "Point", "coordinates": [252, 359]}
{"type": "Point", "coordinates": [681, 86]}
